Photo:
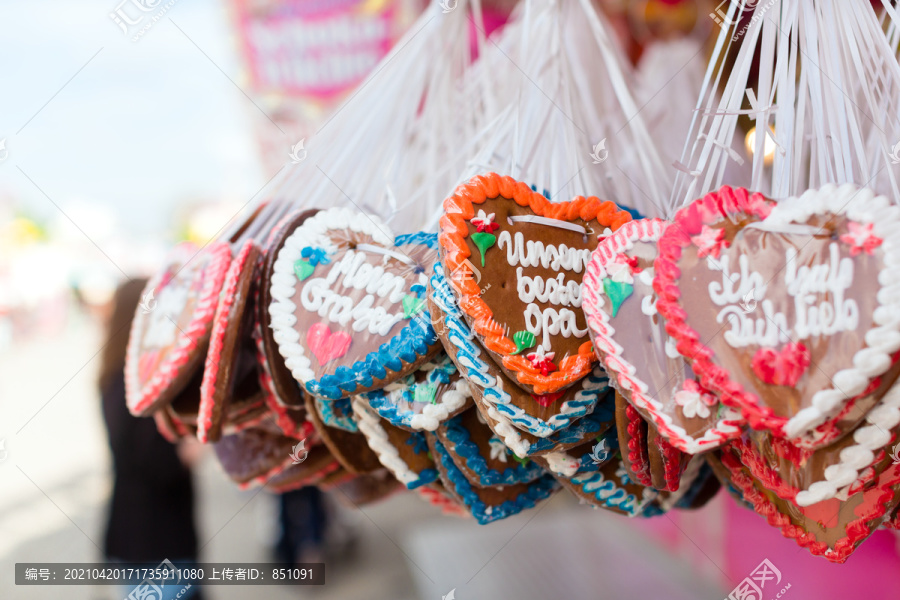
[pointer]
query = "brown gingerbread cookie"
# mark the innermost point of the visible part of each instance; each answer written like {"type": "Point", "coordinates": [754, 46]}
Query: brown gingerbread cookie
{"type": "Point", "coordinates": [350, 449]}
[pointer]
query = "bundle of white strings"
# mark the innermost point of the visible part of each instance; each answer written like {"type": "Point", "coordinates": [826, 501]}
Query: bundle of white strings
{"type": "Point", "coordinates": [825, 107]}
{"type": "Point", "coordinates": [565, 119]}
{"type": "Point", "coordinates": [394, 148]}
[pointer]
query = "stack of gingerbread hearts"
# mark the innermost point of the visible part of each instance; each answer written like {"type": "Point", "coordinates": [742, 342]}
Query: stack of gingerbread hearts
{"type": "Point", "coordinates": [768, 333]}
{"type": "Point", "coordinates": [506, 302]}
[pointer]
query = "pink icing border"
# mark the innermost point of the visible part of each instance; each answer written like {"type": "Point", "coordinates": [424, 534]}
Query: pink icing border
{"type": "Point", "coordinates": [712, 208]}
{"type": "Point", "coordinates": [648, 230]}
{"type": "Point", "coordinates": [217, 341]}
{"type": "Point", "coordinates": [141, 399]}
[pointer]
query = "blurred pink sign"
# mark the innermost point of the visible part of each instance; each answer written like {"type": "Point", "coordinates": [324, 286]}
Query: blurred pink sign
{"type": "Point", "coordinates": [314, 48]}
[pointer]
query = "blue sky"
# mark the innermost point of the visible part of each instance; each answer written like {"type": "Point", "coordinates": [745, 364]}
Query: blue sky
{"type": "Point", "coordinates": [142, 127]}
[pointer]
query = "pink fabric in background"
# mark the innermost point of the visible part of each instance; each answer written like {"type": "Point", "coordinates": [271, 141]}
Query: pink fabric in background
{"type": "Point", "coordinates": [724, 535]}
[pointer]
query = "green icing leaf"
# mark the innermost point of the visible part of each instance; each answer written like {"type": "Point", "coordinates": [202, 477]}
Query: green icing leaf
{"type": "Point", "coordinates": [617, 292]}
{"type": "Point", "coordinates": [483, 241]}
{"type": "Point", "coordinates": [426, 393]}
{"type": "Point", "coordinates": [412, 306]}
{"type": "Point", "coordinates": [303, 269]}
{"type": "Point", "coordinates": [523, 340]}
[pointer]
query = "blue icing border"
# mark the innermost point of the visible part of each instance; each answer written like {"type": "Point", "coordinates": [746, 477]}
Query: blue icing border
{"type": "Point", "coordinates": [428, 475]}
{"type": "Point", "coordinates": [475, 462]}
{"type": "Point", "coordinates": [475, 369]}
{"type": "Point", "coordinates": [618, 498]}
{"type": "Point", "coordinates": [536, 491]}
{"type": "Point", "coordinates": [337, 414]}
{"type": "Point", "coordinates": [410, 344]}
{"type": "Point", "coordinates": [583, 429]}
{"type": "Point", "coordinates": [379, 402]}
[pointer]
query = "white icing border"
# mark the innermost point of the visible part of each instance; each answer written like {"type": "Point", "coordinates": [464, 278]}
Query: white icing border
{"type": "Point", "coordinates": [644, 230]}
{"type": "Point", "coordinates": [863, 206]}
{"type": "Point", "coordinates": [376, 436]}
{"type": "Point", "coordinates": [562, 463]}
{"type": "Point", "coordinates": [313, 232]}
{"type": "Point", "coordinates": [434, 414]}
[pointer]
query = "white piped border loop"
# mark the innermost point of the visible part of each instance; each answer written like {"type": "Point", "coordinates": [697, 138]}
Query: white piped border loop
{"type": "Point", "coordinates": [882, 340]}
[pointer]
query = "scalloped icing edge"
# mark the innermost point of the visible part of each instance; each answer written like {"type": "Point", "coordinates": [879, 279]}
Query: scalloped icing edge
{"type": "Point", "coordinates": [644, 230]}
{"type": "Point", "coordinates": [536, 491]}
{"type": "Point", "coordinates": [388, 455]}
{"type": "Point", "coordinates": [283, 286]}
{"type": "Point", "coordinates": [473, 368]}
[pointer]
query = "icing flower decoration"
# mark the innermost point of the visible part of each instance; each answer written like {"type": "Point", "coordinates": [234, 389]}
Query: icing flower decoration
{"type": "Point", "coordinates": [620, 270]}
{"type": "Point", "coordinates": [710, 242]}
{"type": "Point", "coordinates": [498, 449]}
{"type": "Point", "coordinates": [484, 238]}
{"type": "Point", "coordinates": [485, 223]}
{"type": "Point", "coordinates": [861, 238]}
{"type": "Point", "coordinates": [694, 401]}
{"type": "Point", "coordinates": [542, 360]}
{"type": "Point", "coordinates": [315, 256]}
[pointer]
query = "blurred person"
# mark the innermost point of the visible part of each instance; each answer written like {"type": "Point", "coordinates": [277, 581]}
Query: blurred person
{"type": "Point", "coordinates": [151, 515]}
{"type": "Point", "coordinates": [302, 520]}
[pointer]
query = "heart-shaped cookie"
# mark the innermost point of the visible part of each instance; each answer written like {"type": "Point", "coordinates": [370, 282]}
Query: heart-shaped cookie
{"type": "Point", "coordinates": [517, 261]}
{"type": "Point", "coordinates": [336, 413]}
{"type": "Point", "coordinates": [832, 528]}
{"type": "Point", "coordinates": [344, 329]}
{"type": "Point", "coordinates": [541, 416]}
{"type": "Point", "coordinates": [482, 456]}
{"type": "Point", "coordinates": [761, 295]}
{"type": "Point", "coordinates": [231, 328]}
{"type": "Point", "coordinates": [172, 324]}
{"type": "Point", "coordinates": [350, 449]}
{"type": "Point", "coordinates": [591, 426]}
{"type": "Point", "coordinates": [403, 453]}
{"type": "Point", "coordinates": [493, 503]}
{"type": "Point", "coordinates": [630, 338]}
{"type": "Point", "coordinates": [421, 401]}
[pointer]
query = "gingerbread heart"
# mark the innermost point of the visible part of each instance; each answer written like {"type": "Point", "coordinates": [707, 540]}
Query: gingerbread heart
{"type": "Point", "coordinates": [344, 328]}
{"type": "Point", "coordinates": [530, 413]}
{"type": "Point", "coordinates": [492, 503]}
{"type": "Point", "coordinates": [630, 338]}
{"type": "Point", "coordinates": [421, 401]}
{"type": "Point", "coordinates": [481, 455]}
{"type": "Point", "coordinates": [762, 295]}
{"type": "Point", "coordinates": [831, 528]}
{"type": "Point", "coordinates": [517, 261]}
{"type": "Point", "coordinates": [171, 327]}
{"type": "Point", "coordinates": [403, 453]}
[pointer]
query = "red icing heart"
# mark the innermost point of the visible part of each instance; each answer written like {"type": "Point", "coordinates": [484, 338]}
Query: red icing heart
{"type": "Point", "coordinates": [327, 345]}
{"type": "Point", "coordinates": [781, 368]}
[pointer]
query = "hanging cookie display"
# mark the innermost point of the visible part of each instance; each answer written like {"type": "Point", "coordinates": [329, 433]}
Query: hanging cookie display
{"type": "Point", "coordinates": [346, 303]}
{"type": "Point", "coordinates": [629, 336]}
{"type": "Point", "coordinates": [785, 310]}
{"type": "Point", "coordinates": [515, 262]}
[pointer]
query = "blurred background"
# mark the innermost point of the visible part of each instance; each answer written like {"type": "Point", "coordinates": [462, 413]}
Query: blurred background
{"type": "Point", "coordinates": [123, 131]}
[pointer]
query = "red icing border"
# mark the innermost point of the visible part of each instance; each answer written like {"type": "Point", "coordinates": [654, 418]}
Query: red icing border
{"type": "Point", "coordinates": [142, 398]}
